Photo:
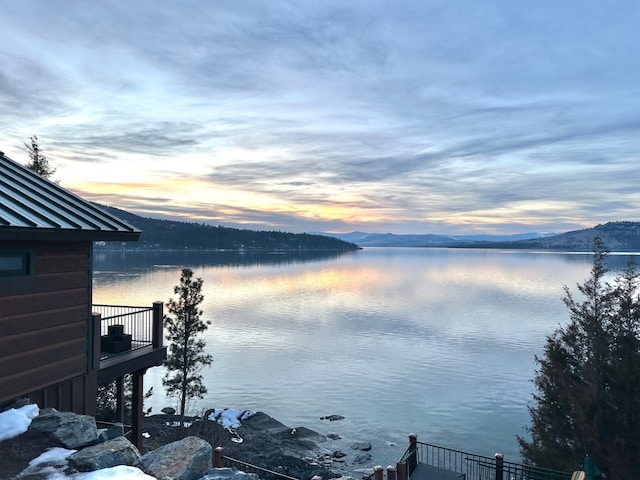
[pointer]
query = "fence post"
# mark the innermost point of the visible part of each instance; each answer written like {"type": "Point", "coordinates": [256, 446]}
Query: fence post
{"type": "Point", "coordinates": [377, 472]}
{"type": "Point", "coordinates": [391, 472]}
{"type": "Point", "coordinates": [217, 457]}
{"type": "Point", "coordinates": [157, 333]}
{"type": "Point", "coordinates": [499, 466]}
{"type": "Point", "coordinates": [401, 468]}
{"type": "Point", "coordinates": [412, 458]}
{"type": "Point", "coordinates": [96, 326]}
{"type": "Point", "coordinates": [120, 399]}
{"type": "Point", "coordinates": [137, 397]}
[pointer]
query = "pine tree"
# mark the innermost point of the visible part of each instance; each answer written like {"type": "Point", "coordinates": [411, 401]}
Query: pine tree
{"type": "Point", "coordinates": [39, 163]}
{"type": "Point", "coordinates": [187, 355]}
{"type": "Point", "coordinates": [588, 381]}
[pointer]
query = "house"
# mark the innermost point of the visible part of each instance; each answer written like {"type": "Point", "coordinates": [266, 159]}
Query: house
{"type": "Point", "coordinates": [56, 347]}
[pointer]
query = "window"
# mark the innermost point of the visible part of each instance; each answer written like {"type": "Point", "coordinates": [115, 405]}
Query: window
{"type": "Point", "coordinates": [14, 264]}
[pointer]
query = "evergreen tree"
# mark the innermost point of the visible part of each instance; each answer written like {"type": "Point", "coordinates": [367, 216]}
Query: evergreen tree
{"type": "Point", "coordinates": [187, 355]}
{"type": "Point", "coordinates": [39, 163]}
{"type": "Point", "coordinates": [588, 381]}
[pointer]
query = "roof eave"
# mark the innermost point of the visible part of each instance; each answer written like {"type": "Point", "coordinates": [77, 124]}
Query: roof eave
{"type": "Point", "coordinates": [57, 235]}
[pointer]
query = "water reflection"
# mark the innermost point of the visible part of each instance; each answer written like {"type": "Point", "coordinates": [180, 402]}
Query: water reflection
{"type": "Point", "coordinates": [132, 259]}
{"type": "Point", "coordinates": [437, 341]}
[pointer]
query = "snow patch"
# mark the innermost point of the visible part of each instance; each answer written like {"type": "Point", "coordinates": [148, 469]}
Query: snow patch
{"type": "Point", "coordinates": [14, 422]}
{"type": "Point", "coordinates": [230, 418]}
{"type": "Point", "coordinates": [121, 472]}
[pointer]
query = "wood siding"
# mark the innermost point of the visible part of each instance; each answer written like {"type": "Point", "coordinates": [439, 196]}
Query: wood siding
{"type": "Point", "coordinates": [44, 322]}
{"type": "Point", "coordinates": [69, 396]}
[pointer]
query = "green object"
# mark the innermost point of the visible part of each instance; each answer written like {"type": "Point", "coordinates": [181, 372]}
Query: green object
{"type": "Point", "coordinates": [590, 469]}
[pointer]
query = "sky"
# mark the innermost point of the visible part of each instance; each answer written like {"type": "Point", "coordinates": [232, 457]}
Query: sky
{"type": "Point", "coordinates": [424, 116]}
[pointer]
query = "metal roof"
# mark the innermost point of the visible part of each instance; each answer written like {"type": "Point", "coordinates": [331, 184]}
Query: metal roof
{"type": "Point", "coordinates": [33, 205]}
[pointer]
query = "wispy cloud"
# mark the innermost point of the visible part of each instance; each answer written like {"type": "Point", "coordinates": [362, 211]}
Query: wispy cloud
{"type": "Point", "coordinates": [439, 117]}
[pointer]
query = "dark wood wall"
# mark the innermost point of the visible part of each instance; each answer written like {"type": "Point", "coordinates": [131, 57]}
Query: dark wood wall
{"type": "Point", "coordinates": [44, 322]}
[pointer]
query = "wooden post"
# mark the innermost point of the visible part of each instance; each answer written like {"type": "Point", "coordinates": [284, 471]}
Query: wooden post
{"type": "Point", "coordinates": [217, 457]}
{"type": "Point", "coordinates": [401, 469]}
{"type": "Point", "coordinates": [157, 334]}
{"type": "Point", "coordinates": [377, 472]}
{"type": "Point", "coordinates": [120, 400]}
{"type": "Point", "coordinates": [96, 321]}
{"type": "Point", "coordinates": [499, 466]}
{"type": "Point", "coordinates": [412, 459]}
{"type": "Point", "coordinates": [391, 472]}
{"type": "Point", "coordinates": [136, 408]}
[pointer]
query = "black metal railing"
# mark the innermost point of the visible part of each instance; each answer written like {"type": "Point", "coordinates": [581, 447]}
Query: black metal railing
{"type": "Point", "coordinates": [263, 473]}
{"type": "Point", "coordinates": [520, 471]}
{"type": "Point", "coordinates": [138, 322]}
{"type": "Point", "coordinates": [475, 467]}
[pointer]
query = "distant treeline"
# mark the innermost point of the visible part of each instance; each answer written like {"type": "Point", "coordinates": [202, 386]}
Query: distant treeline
{"type": "Point", "coordinates": [169, 234]}
{"type": "Point", "coordinates": [623, 236]}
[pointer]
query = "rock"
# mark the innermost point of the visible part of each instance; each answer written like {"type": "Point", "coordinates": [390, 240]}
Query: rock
{"type": "Point", "coordinates": [169, 410]}
{"type": "Point", "coordinates": [332, 418]}
{"type": "Point", "coordinates": [338, 454]}
{"type": "Point", "coordinates": [49, 464]}
{"type": "Point", "coordinates": [229, 474]}
{"type": "Point", "coordinates": [364, 446]}
{"type": "Point", "coordinates": [118, 451]}
{"type": "Point", "coordinates": [186, 459]}
{"type": "Point", "coordinates": [334, 436]}
{"type": "Point", "coordinates": [114, 431]}
{"type": "Point", "coordinates": [69, 429]}
{"type": "Point", "coordinates": [362, 458]}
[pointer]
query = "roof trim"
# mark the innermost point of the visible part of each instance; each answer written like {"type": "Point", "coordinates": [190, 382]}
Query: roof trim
{"type": "Point", "coordinates": [31, 204]}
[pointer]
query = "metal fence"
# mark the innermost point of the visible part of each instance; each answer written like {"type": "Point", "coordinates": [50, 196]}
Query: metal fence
{"type": "Point", "coordinates": [475, 467]}
{"type": "Point", "coordinates": [135, 321]}
{"type": "Point", "coordinates": [263, 473]}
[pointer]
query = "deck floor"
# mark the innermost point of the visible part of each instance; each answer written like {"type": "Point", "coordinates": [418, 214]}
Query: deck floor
{"type": "Point", "coordinates": [429, 472]}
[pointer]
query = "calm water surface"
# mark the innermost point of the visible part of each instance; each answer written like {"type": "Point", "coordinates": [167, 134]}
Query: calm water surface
{"type": "Point", "coordinates": [439, 342]}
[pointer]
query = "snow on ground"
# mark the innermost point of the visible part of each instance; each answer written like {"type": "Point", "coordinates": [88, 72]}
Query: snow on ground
{"type": "Point", "coordinates": [121, 472]}
{"type": "Point", "coordinates": [50, 464]}
{"type": "Point", "coordinates": [14, 422]}
{"type": "Point", "coordinates": [230, 418]}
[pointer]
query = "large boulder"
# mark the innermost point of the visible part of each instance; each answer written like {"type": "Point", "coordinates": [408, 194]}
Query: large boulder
{"type": "Point", "coordinates": [364, 446]}
{"type": "Point", "coordinates": [114, 431]}
{"type": "Point", "coordinates": [229, 474]}
{"type": "Point", "coordinates": [118, 451]}
{"type": "Point", "coordinates": [70, 430]}
{"type": "Point", "coordinates": [186, 459]}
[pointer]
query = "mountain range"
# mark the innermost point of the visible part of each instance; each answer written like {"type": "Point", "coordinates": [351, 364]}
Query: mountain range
{"type": "Point", "coordinates": [174, 235]}
{"type": "Point", "coordinates": [171, 234]}
{"type": "Point", "coordinates": [426, 240]}
{"type": "Point", "coordinates": [616, 236]}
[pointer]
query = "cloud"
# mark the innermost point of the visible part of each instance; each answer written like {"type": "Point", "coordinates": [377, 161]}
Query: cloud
{"type": "Point", "coordinates": [358, 115]}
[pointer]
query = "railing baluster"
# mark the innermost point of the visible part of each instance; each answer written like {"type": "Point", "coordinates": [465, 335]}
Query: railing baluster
{"type": "Point", "coordinates": [474, 467]}
{"type": "Point", "coordinates": [144, 324]}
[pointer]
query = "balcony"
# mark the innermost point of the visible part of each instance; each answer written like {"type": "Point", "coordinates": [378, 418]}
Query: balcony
{"type": "Point", "coordinates": [424, 461]}
{"type": "Point", "coordinates": [128, 338]}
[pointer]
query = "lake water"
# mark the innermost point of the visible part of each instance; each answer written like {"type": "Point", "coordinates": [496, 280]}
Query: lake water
{"type": "Point", "coordinates": [438, 342]}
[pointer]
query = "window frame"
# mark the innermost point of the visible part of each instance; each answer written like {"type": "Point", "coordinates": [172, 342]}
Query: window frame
{"type": "Point", "coordinates": [26, 258]}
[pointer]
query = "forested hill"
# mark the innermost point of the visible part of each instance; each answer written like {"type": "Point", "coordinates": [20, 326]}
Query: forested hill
{"type": "Point", "coordinates": [615, 236]}
{"type": "Point", "coordinates": [169, 234]}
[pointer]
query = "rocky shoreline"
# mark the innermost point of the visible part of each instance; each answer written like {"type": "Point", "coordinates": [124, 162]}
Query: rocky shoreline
{"type": "Point", "coordinates": [258, 440]}
{"type": "Point", "coordinates": [264, 441]}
